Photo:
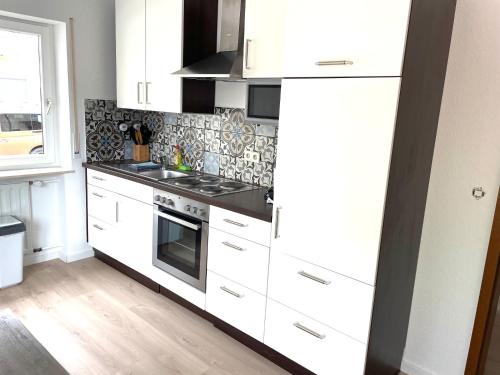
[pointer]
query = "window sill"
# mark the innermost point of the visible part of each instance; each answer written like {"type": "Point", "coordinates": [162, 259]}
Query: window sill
{"type": "Point", "coordinates": [37, 172]}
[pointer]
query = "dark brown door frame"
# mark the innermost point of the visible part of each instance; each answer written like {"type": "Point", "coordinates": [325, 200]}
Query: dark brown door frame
{"type": "Point", "coordinates": [488, 302]}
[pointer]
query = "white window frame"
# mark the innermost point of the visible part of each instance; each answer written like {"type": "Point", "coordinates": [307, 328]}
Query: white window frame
{"type": "Point", "coordinates": [50, 158]}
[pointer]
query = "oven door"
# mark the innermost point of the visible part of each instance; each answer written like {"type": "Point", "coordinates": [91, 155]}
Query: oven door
{"type": "Point", "coordinates": [180, 247]}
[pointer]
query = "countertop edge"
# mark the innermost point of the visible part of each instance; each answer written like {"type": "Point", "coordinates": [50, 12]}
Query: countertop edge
{"type": "Point", "coordinates": [264, 215]}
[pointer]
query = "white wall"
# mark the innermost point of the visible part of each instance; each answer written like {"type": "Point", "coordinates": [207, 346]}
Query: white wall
{"type": "Point", "coordinates": [457, 227]}
{"type": "Point", "coordinates": [95, 78]}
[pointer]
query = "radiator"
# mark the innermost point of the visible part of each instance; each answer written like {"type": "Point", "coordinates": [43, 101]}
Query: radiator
{"type": "Point", "coordinates": [15, 200]}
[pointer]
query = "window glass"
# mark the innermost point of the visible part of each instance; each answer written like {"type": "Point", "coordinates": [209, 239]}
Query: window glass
{"type": "Point", "coordinates": [21, 94]}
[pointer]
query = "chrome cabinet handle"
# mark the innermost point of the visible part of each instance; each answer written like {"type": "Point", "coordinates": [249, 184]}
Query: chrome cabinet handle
{"type": "Point", "coordinates": [236, 223]}
{"type": "Point", "coordinates": [228, 244]}
{"type": "Point", "coordinates": [277, 224]}
{"type": "Point", "coordinates": [334, 62]}
{"type": "Point", "coordinates": [117, 215]}
{"type": "Point", "coordinates": [227, 290]}
{"type": "Point", "coordinates": [314, 278]}
{"type": "Point", "coordinates": [98, 195]}
{"type": "Point", "coordinates": [98, 227]}
{"type": "Point", "coordinates": [308, 330]}
{"type": "Point", "coordinates": [147, 92]}
{"type": "Point", "coordinates": [98, 178]}
{"type": "Point", "coordinates": [247, 47]}
{"type": "Point", "coordinates": [139, 93]}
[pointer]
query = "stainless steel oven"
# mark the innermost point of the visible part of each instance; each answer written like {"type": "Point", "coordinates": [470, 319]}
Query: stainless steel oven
{"type": "Point", "coordinates": [180, 242]}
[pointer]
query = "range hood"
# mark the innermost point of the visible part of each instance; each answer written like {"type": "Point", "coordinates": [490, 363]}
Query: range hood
{"type": "Point", "coordinates": [227, 63]}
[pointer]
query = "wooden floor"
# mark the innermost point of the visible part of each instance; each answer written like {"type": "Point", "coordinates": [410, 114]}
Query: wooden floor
{"type": "Point", "coordinates": [94, 320]}
{"type": "Point", "coordinates": [493, 361]}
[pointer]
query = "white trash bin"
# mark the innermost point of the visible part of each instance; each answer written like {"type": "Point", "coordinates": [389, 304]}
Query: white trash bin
{"type": "Point", "coordinates": [11, 251]}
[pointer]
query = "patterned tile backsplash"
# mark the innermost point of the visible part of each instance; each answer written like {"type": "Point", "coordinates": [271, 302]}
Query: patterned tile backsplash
{"type": "Point", "coordinates": [212, 143]}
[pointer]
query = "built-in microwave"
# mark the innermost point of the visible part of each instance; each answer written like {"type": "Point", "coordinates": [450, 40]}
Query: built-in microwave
{"type": "Point", "coordinates": [263, 101]}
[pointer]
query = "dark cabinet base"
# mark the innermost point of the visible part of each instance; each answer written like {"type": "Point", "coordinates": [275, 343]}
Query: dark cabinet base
{"type": "Point", "coordinates": [257, 346]}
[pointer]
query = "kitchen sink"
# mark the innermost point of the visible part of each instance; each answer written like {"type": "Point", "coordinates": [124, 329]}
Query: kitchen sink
{"type": "Point", "coordinates": [162, 174]}
{"type": "Point", "coordinates": [154, 174]}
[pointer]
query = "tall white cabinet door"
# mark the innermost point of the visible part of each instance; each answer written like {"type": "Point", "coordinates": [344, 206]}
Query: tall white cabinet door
{"type": "Point", "coordinates": [164, 23]}
{"type": "Point", "coordinates": [333, 159]}
{"type": "Point", "coordinates": [264, 32]}
{"type": "Point", "coordinates": [323, 34]}
{"type": "Point", "coordinates": [130, 46]}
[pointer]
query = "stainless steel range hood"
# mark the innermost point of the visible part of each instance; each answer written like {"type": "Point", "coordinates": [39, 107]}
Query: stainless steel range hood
{"type": "Point", "coordinates": [227, 63]}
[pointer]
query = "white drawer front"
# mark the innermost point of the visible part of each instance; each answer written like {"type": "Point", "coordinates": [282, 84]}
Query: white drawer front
{"type": "Point", "coordinates": [236, 305]}
{"type": "Point", "coordinates": [240, 225]}
{"type": "Point", "coordinates": [99, 179]}
{"type": "Point", "coordinates": [311, 344]}
{"type": "Point", "coordinates": [101, 204]}
{"type": "Point", "coordinates": [121, 186]}
{"type": "Point", "coordinates": [102, 236]}
{"type": "Point", "coordinates": [242, 261]}
{"type": "Point", "coordinates": [335, 300]}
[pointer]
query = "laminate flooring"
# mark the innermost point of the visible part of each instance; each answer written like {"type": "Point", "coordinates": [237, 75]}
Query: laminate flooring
{"type": "Point", "coordinates": [94, 320]}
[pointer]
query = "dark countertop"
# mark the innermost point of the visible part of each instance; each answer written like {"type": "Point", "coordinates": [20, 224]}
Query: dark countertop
{"type": "Point", "coordinates": [250, 203]}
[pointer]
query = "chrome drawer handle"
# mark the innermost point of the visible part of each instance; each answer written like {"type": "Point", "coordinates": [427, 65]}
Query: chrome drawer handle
{"type": "Point", "coordinates": [147, 92]}
{"type": "Point", "coordinates": [310, 331]}
{"type": "Point", "coordinates": [225, 289]}
{"type": "Point", "coordinates": [98, 195]}
{"type": "Point", "coordinates": [334, 62]}
{"type": "Point", "coordinates": [140, 92]}
{"type": "Point", "coordinates": [98, 227]}
{"type": "Point", "coordinates": [236, 223]}
{"type": "Point", "coordinates": [247, 47]}
{"type": "Point", "coordinates": [98, 178]}
{"type": "Point", "coordinates": [233, 246]}
{"type": "Point", "coordinates": [314, 278]}
{"type": "Point", "coordinates": [277, 221]}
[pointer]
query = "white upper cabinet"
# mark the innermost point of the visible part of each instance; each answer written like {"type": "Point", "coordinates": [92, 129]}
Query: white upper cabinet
{"type": "Point", "coordinates": [130, 47]}
{"type": "Point", "coordinates": [333, 217]}
{"type": "Point", "coordinates": [264, 31]}
{"type": "Point", "coordinates": [148, 50]}
{"type": "Point", "coordinates": [163, 55]}
{"type": "Point", "coordinates": [335, 38]}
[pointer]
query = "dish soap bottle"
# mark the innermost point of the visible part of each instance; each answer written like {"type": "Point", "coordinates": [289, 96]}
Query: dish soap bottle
{"type": "Point", "coordinates": [178, 156]}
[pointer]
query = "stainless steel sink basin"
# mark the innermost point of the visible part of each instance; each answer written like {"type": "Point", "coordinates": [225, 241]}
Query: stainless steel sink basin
{"type": "Point", "coordinates": [162, 174]}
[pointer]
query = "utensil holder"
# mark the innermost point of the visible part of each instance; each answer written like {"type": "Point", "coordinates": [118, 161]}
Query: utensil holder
{"type": "Point", "coordinates": [141, 152]}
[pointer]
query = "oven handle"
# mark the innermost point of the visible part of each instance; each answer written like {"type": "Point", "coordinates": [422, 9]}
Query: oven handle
{"type": "Point", "coordinates": [177, 220]}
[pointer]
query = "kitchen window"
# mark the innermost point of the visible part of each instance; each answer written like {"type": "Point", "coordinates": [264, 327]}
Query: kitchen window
{"type": "Point", "coordinates": [27, 96]}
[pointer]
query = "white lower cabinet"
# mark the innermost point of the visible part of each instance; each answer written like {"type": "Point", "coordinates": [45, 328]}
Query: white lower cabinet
{"type": "Point", "coordinates": [238, 306]}
{"type": "Point", "coordinates": [313, 345]}
{"type": "Point", "coordinates": [335, 300]}
{"type": "Point", "coordinates": [239, 260]}
{"type": "Point", "coordinates": [240, 225]}
{"type": "Point", "coordinates": [101, 204]}
{"type": "Point", "coordinates": [102, 236]}
{"type": "Point", "coordinates": [120, 219]}
{"type": "Point", "coordinates": [134, 229]}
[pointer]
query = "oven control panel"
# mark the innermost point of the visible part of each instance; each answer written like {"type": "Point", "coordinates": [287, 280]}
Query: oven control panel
{"type": "Point", "coordinates": [183, 205]}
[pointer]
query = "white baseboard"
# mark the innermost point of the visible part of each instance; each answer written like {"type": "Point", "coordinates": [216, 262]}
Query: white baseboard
{"type": "Point", "coordinates": [73, 257]}
{"type": "Point", "coordinates": [57, 253]}
{"type": "Point", "coordinates": [412, 368]}
{"type": "Point", "coordinates": [42, 256]}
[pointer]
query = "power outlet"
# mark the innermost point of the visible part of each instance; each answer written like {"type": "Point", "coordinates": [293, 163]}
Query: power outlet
{"type": "Point", "coordinates": [252, 157]}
